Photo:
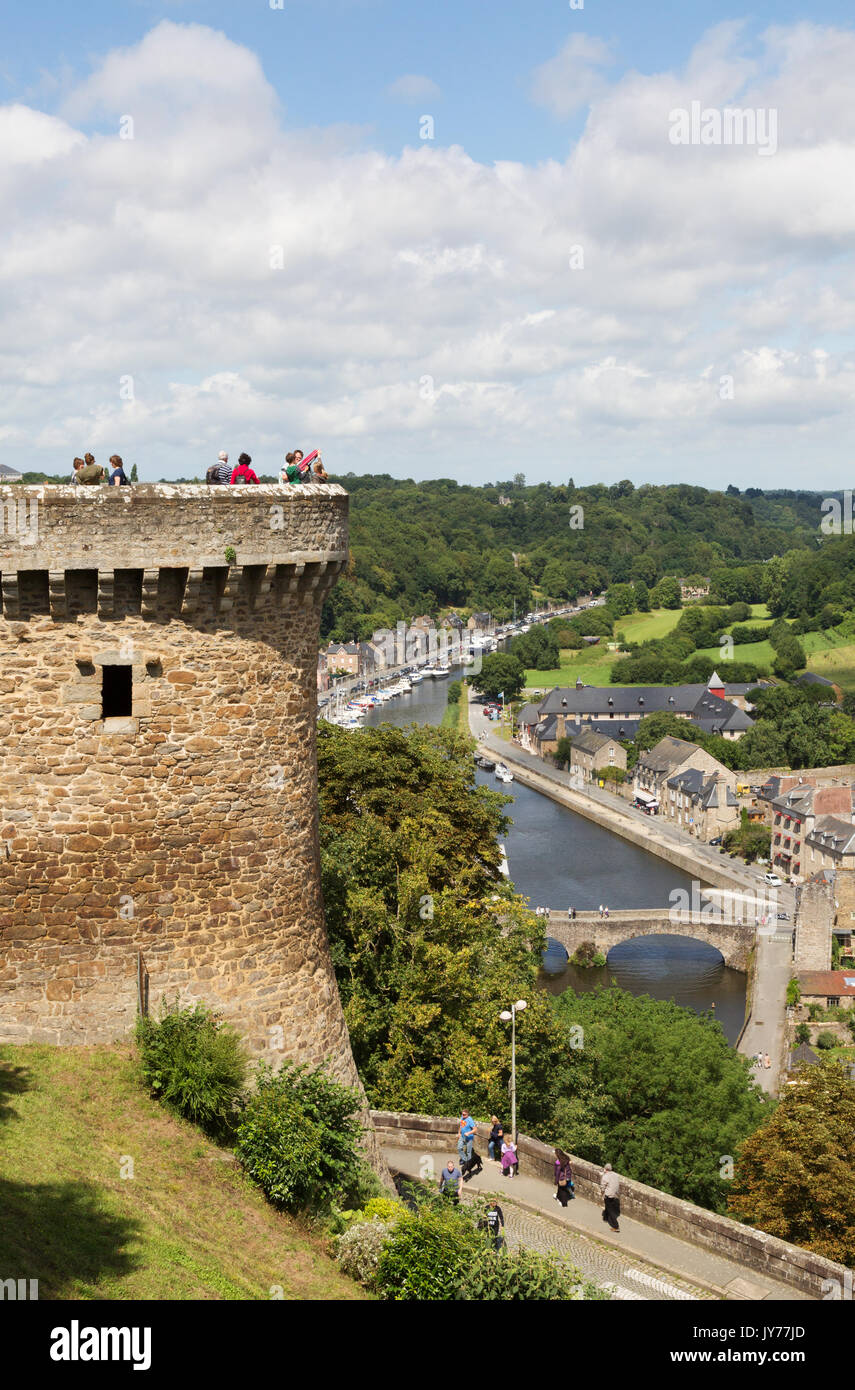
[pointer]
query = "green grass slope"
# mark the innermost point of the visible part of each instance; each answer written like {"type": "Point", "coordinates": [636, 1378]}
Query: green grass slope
{"type": "Point", "coordinates": [187, 1225]}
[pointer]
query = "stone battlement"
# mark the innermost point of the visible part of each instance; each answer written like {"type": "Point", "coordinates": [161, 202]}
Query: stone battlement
{"type": "Point", "coordinates": [164, 549]}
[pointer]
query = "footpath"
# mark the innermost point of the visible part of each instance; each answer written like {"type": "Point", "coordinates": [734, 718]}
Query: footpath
{"type": "Point", "coordinates": [639, 1263]}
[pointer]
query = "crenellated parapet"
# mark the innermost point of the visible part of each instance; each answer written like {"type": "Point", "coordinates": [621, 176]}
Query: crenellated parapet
{"type": "Point", "coordinates": [167, 551]}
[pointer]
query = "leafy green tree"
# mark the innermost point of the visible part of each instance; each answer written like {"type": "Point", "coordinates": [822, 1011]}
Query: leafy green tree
{"type": "Point", "coordinates": [536, 649]}
{"type": "Point", "coordinates": [563, 750]}
{"type": "Point", "coordinates": [134, 477]}
{"type": "Point", "coordinates": [667, 593]}
{"type": "Point", "coordinates": [500, 673]}
{"type": "Point", "coordinates": [802, 1034]}
{"type": "Point", "coordinates": [794, 1175]}
{"type": "Point", "coordinates": [641, 595]}
{"type": "Point", "coordinates": [428, 941]}
{"type": "Point", "coordinates": [620, 600]}
{"type": "Point", "coordinates": [662, 1088]}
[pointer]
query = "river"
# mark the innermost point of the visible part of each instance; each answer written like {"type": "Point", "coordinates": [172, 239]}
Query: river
{"type": "Point", "coordinates": [558, 859]}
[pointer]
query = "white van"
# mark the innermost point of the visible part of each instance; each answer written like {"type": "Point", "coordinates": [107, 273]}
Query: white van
{"type": "Point", "coordinates": [773, 880]}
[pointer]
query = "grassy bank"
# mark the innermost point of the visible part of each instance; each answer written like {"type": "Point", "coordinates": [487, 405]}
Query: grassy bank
{"type": "Point", "coordinates": [186, 1225]}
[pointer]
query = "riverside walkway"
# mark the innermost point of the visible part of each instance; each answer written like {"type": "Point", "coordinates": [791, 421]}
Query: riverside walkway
{"type": "Point", "coordinates": [639, 1263]}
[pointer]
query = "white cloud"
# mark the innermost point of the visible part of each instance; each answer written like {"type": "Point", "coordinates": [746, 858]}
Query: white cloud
{"type": "Point", "coordinates": [413, 88]}
{"type": "Point", "coordinates": [153, 257]}
{"type": "Point", "coordinates": [572, 79]}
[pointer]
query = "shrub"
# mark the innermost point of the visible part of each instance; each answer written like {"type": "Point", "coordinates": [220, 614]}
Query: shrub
{"type": "Point", "coordinates": [522, 1276]}
{"type": "Point", "coordinates": [826, 1040]}
{"type": "Point", "coordinates": [426, 1254]}
{"type": "Point", "coordinates": [358, 1251]}
{"type": "Point", "coordinates": [299, 1137]}
{"type": "Point", "coordinates": [454, 692]}
{"type": "Point", "coordinates": [802, 1034]}
{"type": "Point", "coordinates": [586, 954]}
{"type": "Point", "coordinates": [794, 994]}
{"type": "Point", "coordinates": [194, 1063]}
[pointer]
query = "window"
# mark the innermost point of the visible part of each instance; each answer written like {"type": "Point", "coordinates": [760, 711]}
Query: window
{"type": "Point", "coordinates": [116, 692]}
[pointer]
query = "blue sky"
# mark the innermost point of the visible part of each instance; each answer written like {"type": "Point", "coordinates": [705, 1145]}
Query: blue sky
{"type": "Point", "coordinates": [422, 314]}
{"type": "Point", "coordinates": [333, 60]}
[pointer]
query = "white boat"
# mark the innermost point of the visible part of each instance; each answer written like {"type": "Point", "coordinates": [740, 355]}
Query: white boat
{"type": "Point", "coordinates": [503, 773]}
{"type": "Point", "coordinates": [504, 868]}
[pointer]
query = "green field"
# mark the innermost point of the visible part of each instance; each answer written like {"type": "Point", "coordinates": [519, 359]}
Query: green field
{"type": "Point", "coordinates": [760, 652]}
{"type": "Point", "coordinates": [185, 1225]}
{"type": "Point", "coordinates": [836, 663]}
{"type": "Point", "coordinates": [644, 627]}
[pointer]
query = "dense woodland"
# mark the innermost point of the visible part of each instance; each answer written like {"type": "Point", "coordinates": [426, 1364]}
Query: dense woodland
{"type": "Point", "coordinates": [426, 547]}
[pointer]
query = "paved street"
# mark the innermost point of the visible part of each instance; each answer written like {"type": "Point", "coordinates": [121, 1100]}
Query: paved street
{"type": "Point", "coordinates": [766, 1028]}
{"type": "Point", "coordinates": [639, 1263]}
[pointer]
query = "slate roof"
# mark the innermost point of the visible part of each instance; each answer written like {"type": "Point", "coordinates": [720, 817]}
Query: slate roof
{"type": "Point", "coordinates": [705, 710]}
{"type": "Point", "coordinates": [667, 755]}
{"type": "Point", "coordinates": [528, 715]}
{"type": "Point", "coordinates": [811, 678]}
{"type": "Point", "coordinates": [834, 834]}
{"type": "Point", "coordinates": [9, 473]}
{"type": "Point", "coordinates": [612, 728]}
{"type": "Point", "coordinates": [803, 1053]}
{"type": "Point", "coordinates": [592, 742]}
{"type": "Point", "coordinates": [547, 729]}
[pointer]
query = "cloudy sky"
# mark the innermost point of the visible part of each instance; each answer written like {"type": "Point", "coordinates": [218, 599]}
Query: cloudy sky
{"type": "Point", "coordinates": [447, 239]}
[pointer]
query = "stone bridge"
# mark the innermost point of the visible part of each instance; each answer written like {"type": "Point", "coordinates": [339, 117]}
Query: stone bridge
{"type": "Point", "coordinates": [733, 938]}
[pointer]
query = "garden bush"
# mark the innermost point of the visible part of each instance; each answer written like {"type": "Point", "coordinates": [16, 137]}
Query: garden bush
{"type": "Point", "coordinates": [826, 1041]}
{"type": "Point", "coordinates": [523, 1276]}
{"type": "Point", "coordinates": [194, 1063]}
{"type": "Point", "coordinates": [427, 1254]}
{"type": "Point", "coordinates": [358, 1251]}
{"type": "Point", "coordinates": [298, 1138]}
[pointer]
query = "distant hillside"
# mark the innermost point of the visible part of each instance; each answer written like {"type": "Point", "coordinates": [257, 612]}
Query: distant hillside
{"type": "Point", "coordinates": [422, 547]}
{"type": "Point", "coordinates": [186, 1225]}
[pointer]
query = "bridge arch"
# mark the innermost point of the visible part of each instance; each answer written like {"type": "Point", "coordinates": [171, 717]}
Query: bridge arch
{"type": "Point", "coordinates": [732, 939]}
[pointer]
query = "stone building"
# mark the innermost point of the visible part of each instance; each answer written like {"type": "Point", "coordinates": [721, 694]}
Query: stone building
{"type": "Point", "coordinates": [592, 752]}
{"type": "Point", "coordinates": [627, 705]}
{"type": "Point", "coordinates": [158, 834]}
{"type": "Point", "coordinates": [794, 816]}
{"type": "Point", "coordinates": [828, 988]}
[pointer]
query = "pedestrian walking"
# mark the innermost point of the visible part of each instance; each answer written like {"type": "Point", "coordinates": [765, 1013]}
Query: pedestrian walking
{"type": "Point", "coordinates": [465, 1135]}
{"type": "Point", "coordinates": [493, 1223]}
{"type": "Point", "coordinates": [606, 913]}
{"type": "Point", "coordinates": [510, 1162]}
{"type": "Point", "coordinates": [449, 1181]}
{"type": "Point", "coordinates": [601, 910]}
{"type": "Point", "coordinates": [610, 1188]}
{"type": "Point", "coordinates": [767, 1061]}
{"type": "Point", "coordinates": [494, 1143]}
{"type": "Point", "coordinates": [564, 1185]}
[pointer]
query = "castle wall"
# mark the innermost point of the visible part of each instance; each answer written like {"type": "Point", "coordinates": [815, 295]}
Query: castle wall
{"type": "Point", "coordinates": [173, 847]}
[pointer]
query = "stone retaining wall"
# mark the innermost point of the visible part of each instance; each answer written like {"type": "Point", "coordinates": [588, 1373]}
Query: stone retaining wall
{"type": "Point", "coordinates": [766, 1255]}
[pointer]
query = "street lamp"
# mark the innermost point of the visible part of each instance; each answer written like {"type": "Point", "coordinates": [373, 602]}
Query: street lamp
{"type": "Point", "coordinates": [510, 1016]}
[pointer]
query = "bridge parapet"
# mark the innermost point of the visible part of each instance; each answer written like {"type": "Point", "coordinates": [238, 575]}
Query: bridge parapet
{"type": "Point", "coordinates": [733, 938]}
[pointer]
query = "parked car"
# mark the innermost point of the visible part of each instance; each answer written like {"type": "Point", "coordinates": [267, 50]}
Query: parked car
{"type": "Point", "coordinates": [773, 880]}
{"type": "Point", "coordinates": [783, 916]}
{"type": "Point", "coordinates": [716, 841]}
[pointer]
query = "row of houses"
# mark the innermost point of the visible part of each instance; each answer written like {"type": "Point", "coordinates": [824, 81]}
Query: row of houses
{"type": "Point", "coordinates": [389, 649]}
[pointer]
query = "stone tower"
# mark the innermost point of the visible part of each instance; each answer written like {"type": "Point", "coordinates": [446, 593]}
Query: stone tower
{"type": "Point", "coordinates": [158, 822]}
{"type": "Point", "coordinates": [814, 921]}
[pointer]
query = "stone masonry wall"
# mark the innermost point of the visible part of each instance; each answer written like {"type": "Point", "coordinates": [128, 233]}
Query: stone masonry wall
{"type": "Point", "coordinates": [181, 839]}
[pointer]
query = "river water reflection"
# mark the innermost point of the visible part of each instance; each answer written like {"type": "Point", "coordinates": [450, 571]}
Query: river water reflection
{"type": "Point", "coordinates": [558, 859]}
